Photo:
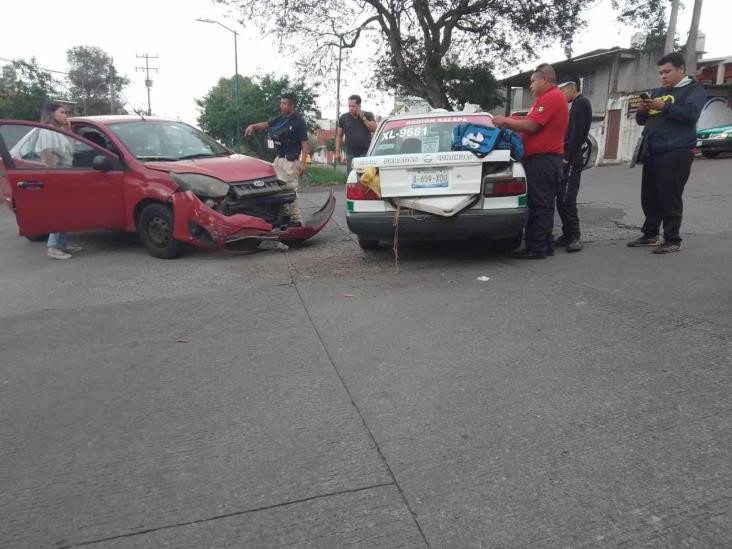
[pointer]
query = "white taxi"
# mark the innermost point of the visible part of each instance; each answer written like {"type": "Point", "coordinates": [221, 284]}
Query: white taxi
{"type": "Point", "coordinates": [411, 185]}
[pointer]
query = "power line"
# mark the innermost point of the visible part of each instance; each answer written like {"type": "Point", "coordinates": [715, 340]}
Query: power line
{"type": "Point", "coordinates": [11, 61]}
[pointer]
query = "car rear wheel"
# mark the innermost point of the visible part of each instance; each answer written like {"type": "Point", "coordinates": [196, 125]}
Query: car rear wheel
{"type": "Point", "coordinates": [156, 232]}
{"type": "Point", "coordinates": [368, 244]}
{"type": "Point", "coordinates": [37, 237]}
{"type": "Point", "coordinates": [710, 154]}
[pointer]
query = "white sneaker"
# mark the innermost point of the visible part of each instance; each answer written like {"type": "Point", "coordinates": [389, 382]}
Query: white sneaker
{"type": "Point", "coordinates": [72, 249]}
{"type": "Point", "coordinates": [55, 253]}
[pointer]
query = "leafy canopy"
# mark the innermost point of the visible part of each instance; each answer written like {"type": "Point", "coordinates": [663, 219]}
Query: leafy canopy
{"type": "Point", "coordinates": [91, 77]}
{"type": "Point", "coordinates": [24, 88]}
{"type": "Point", "coordinates": [435, 49]}
{"type": "Point", "coordinates": [259, 101]}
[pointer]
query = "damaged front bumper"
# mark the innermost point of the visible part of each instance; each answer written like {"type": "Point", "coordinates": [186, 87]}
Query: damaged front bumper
{"type": "Point", "coordinates": [197, 224]}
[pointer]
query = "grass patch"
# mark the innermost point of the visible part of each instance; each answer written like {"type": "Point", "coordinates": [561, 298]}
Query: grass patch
{"type": "Point", "coordinates": [322, 175]}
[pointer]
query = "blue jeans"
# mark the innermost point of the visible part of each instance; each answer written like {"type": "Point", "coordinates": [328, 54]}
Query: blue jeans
{"type": "Point", "coordinates": [56, 240]}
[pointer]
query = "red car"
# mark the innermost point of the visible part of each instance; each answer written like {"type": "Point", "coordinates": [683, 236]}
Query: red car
{"type": "Point", "coordinates": [164, 179]}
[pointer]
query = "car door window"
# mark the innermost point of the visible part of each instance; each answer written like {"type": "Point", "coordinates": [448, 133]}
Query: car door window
{"type": "Point", "coordinates": [46, 148]}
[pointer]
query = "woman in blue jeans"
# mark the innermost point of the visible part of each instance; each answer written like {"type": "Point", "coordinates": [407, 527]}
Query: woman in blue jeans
{"type": "Point", "coordinates": [56, 149]}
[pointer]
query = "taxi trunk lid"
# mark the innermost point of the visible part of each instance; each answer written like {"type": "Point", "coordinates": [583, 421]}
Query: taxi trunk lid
{"type": "Point", "coordinates": [433, 174]}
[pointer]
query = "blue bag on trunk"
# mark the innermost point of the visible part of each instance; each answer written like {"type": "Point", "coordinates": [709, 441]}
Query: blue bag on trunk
{"type": "Point", "coordinates": [475, 138]}
{"type": "Point", "coordinates": [481, 140]}
{"type": "Point", "coordinates": [511, 141]}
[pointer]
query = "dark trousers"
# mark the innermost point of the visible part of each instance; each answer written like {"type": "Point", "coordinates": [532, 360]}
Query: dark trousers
{"type": "Point", "coordinates": [349, 159]}
{"type": "Point", "coordinates": [567, 199]}
{"type": "Point", "coordinates": [664, 178]}
{"type": "Point", "coordinates": [543, 178]}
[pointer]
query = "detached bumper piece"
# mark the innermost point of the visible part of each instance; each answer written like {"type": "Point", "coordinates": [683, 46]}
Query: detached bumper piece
{"type": "Point", "coordinates": [197, 224]}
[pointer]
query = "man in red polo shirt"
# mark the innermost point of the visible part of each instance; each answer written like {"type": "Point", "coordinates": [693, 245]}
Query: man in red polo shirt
{"type": "Point", "coordinates": [543, 131]}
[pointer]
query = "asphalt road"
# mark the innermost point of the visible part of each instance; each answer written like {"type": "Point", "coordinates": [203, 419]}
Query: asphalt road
{"type": "Point", "coordinates": [328, 397]}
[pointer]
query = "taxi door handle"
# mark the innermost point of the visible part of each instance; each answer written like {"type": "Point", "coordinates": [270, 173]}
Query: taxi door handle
{"type": "Point", "coordinates": [30, 185]}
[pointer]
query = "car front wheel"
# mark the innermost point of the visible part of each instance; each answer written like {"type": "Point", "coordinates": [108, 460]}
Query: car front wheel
{"type": "Point", "coordinates": [156, 231]}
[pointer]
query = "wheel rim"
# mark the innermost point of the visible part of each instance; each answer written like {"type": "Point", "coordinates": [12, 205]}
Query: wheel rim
{"type": "Point", "coordinates": [158, 231]}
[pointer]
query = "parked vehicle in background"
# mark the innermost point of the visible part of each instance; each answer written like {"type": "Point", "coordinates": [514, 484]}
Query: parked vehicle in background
{"type": "Point", "coordinates": [412, 184]}
{"type": "Point", "coordinates": [164, 179]}
{"type": "Point", "coordinates": [711, 142]}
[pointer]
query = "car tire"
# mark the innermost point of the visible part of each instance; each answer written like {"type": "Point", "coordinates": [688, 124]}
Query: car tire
{"type": "Point", "coordinates": [156, 232]}
{"type": "Point", "coordinates": [710, 154]}
{"type": "Point", "coordinates": [37, 237]}
{"type": "Point", "coordinates": [367, 244]}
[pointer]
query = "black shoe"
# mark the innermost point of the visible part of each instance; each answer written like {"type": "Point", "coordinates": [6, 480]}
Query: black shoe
{"type": "Point", "coordinates": [575, 245]}
{"type": "Point", "coordinates": [526, 254]}
{"type": "Point", "coordinates": [667, 248]}
{"type": "Point", "coordinates": [562, 241]}
{"type": "Point", "coordinates": [645, 241]}
{"type": "Point", "coordinates": [550, 251]}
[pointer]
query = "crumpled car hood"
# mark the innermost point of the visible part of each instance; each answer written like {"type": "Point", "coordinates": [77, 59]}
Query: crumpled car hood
{"type": "Point", "coordinates": [230, 169]}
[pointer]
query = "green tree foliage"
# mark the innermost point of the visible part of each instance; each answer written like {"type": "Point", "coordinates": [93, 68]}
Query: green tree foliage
{"type": "Point", "coordinates": [434, 49]}
{"type": "Point", "coordinates": [648, 16]}
{"type": "Point", "coordinates": [91, 75]}
{"type": "Point", "coordinates": [24, 88]}
{"type": "Point", "coordinates": [260, 100]}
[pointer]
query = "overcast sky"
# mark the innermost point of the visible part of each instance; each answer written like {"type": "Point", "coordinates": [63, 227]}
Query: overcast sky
{"type": "Point", "coordinates": [194, 55]}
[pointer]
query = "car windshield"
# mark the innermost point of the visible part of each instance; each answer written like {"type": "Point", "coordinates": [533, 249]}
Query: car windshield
{"type": "Point", "coordinates": [160, 140]}
{"type": "Point", "coordinates": [422, 135]}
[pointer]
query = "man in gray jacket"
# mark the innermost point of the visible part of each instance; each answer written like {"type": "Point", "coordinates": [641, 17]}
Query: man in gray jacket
{"type": "Point", "coordinates": [669, 116]}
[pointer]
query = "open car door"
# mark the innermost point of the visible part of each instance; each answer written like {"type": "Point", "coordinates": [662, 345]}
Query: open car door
{"type": "Point", "coordinates": [59, 182]}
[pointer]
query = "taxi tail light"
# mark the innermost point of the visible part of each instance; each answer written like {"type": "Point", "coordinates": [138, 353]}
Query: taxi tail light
{"type": "Point", "coordinates": [504, 186]}
{"type": "Point", "coordinates": [359, 191]}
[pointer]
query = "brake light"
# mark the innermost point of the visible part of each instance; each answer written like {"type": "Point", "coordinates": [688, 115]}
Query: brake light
{"type": "Point", "coordinates": [504, 186]}
{"type": "Point", "coordinates": [359, 191]}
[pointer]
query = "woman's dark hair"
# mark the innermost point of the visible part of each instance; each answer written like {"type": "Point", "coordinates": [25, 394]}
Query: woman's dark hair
{"type": "Point", "coordinates": [47, 113]}
{"type": "Point", "coordinates": [675, 58]}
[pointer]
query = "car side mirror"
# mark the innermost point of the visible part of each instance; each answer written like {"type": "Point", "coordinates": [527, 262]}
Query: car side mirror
{"type": "Point", "coordinates": [102, 163]}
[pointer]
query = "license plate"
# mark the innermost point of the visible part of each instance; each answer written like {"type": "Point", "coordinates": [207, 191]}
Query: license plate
{"type": "Point", "coordinates": [698, 143]}
{"type": "Point", "coordinates": [430, 179]}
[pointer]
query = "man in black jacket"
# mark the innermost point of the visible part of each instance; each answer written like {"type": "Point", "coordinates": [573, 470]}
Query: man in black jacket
{"type": "Point", "coordinates": [669, 116]}
{"type": "Point", "coordinates": [580, 118]}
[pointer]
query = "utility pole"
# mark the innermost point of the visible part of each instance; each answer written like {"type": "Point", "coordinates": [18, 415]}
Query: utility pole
{"type": "Point", "coordinates": [111, 86]}
{"type": "Point", "coordinates": [691, 42]}
{"type": "Point", "coordinates": [671, 33]}
{"type": "Point", "coordinates": [338, 92]}
{"type": "Point", "coordinates": [236, 77]}
{"type": "Point", "coordinates": [148, 82]}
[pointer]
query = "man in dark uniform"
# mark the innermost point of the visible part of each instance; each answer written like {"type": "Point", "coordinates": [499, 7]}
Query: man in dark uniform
{"type": "Point", "coordinates": [580, 118]}
{"type": "Point", "coordinates": [543, 131]}
{"type": "Point", "coordinates": [357, 126]}
{"type": "Point", "coordinates": [669, 116]}
{"type": "Point", "coordinates": [288, 136]}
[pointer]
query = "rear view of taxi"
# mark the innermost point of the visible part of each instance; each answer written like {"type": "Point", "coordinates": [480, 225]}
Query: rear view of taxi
{"type": "Point", "coordinates": [413, 186]}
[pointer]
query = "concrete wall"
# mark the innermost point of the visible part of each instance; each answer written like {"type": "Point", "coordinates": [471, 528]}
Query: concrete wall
{"type": "Point", "coordinates": [638, 74]}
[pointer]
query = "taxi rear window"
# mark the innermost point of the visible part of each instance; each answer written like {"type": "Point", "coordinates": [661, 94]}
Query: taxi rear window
{"type": "Point", "coordinates": [421, 135]}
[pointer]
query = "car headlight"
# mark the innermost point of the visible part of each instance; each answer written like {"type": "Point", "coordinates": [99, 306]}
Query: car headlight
{"type": "Point", "coordinates": [201, 185]}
